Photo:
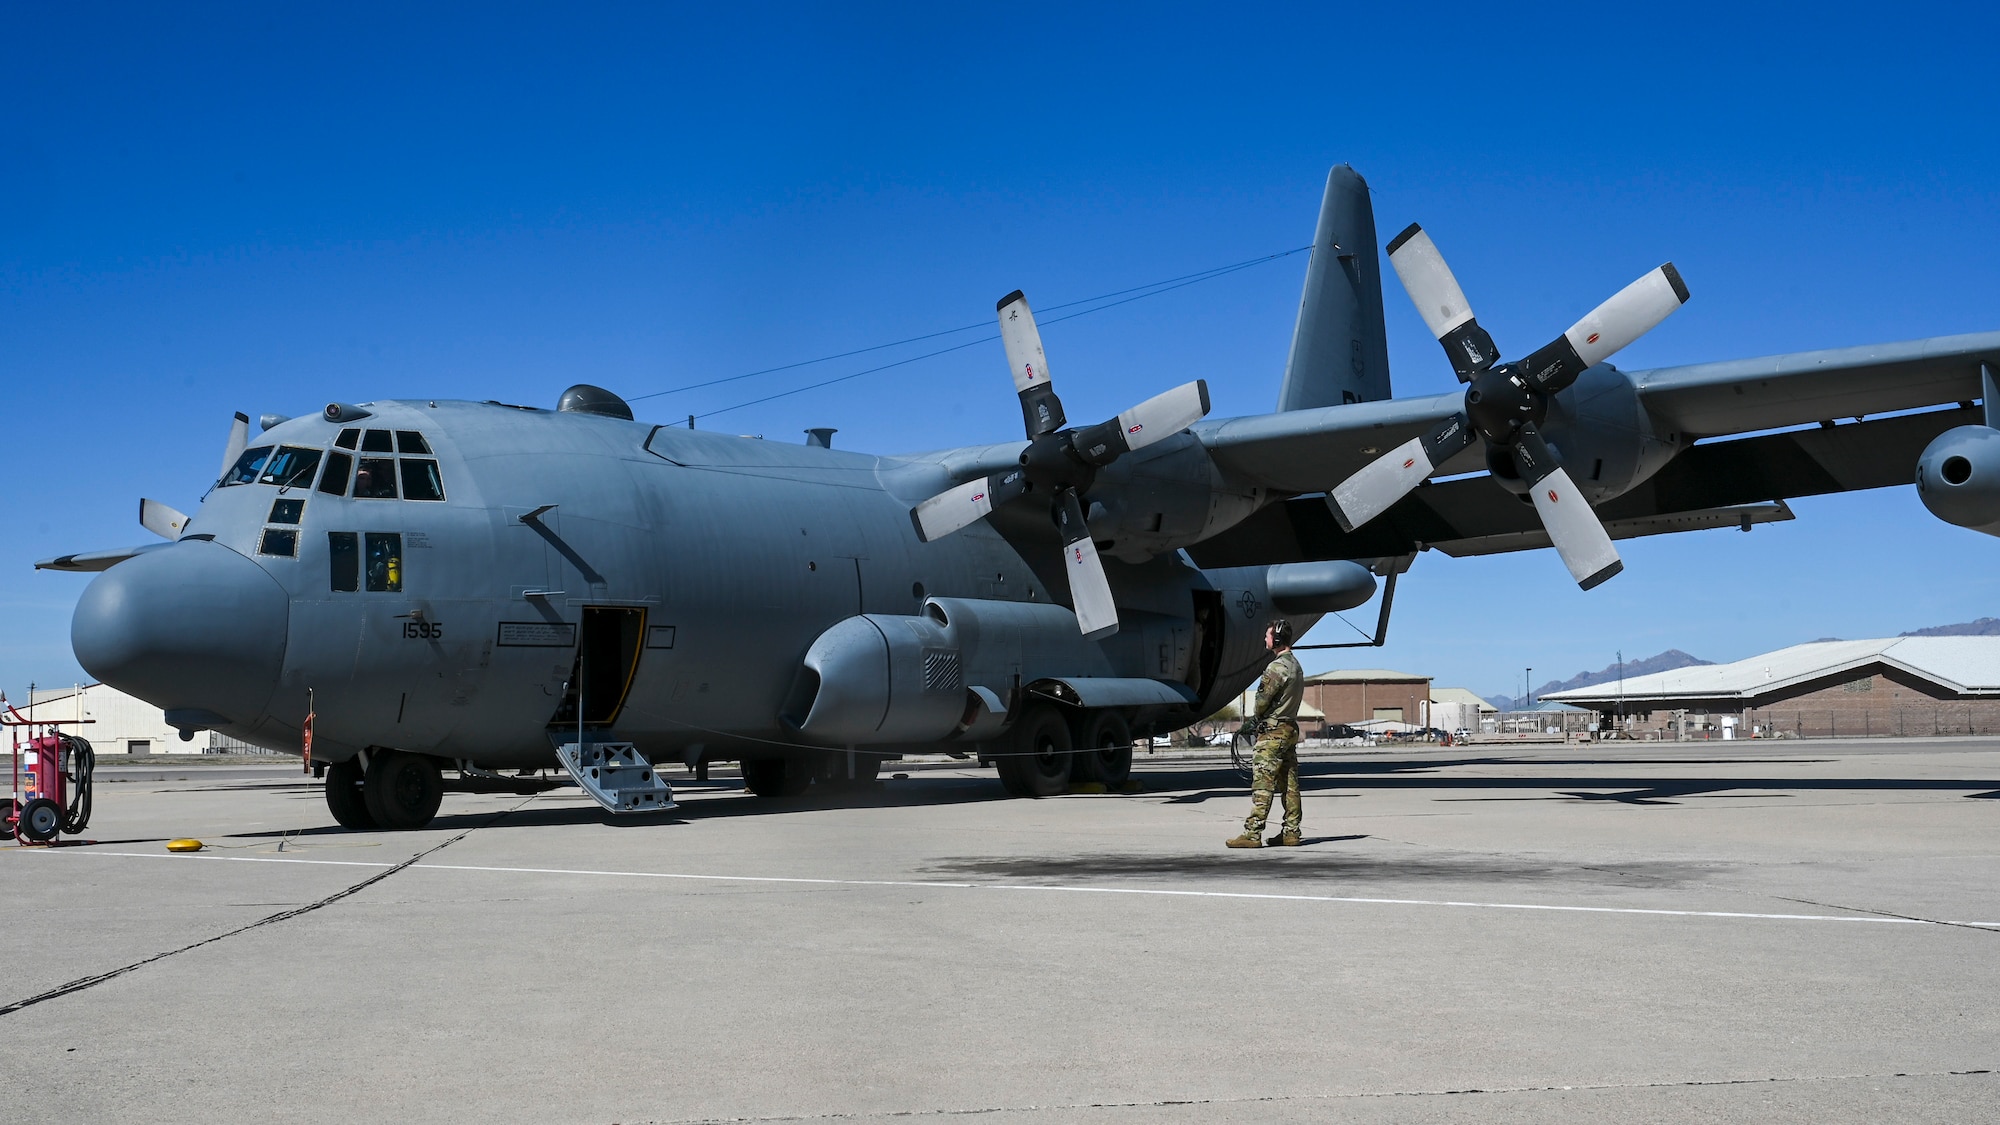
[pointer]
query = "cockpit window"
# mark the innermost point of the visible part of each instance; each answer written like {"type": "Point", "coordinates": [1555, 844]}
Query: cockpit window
{"type": "Point", "coordinates": [410, 441]}
{"type": "Point", "coordinates": [286, 510]}
{"type": "Point", "coordinates": [245, 469]}
{"type": "Point", "coordinates": [338, 465]}
{"type": "Point", "coordinates": [376, 441]}
{"type": "Point", "coordinates": [420, 479]}
{"type": "Point", "coordinates": [291, 466]}
{"type": "Point", "coordinates": [375, 479]}
{"type": "Point", "coordinates": [347, 439]}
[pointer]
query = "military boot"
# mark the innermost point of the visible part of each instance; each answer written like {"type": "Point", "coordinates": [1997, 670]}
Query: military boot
{"type": "Point", "coordinates": [1285, 840]}
{"type": "Point", "coordinates": [1244, 841]}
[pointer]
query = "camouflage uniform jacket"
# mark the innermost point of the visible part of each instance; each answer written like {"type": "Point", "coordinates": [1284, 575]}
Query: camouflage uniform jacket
{"type": "Point", "coordinates": [1279, 694]}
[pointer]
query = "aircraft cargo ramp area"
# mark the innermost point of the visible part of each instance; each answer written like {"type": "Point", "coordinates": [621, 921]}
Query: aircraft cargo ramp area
{"type": "Point", "coordinates": [1805, 932]}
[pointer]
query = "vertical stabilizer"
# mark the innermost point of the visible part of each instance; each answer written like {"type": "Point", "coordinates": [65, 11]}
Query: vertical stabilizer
{"type": "Point", "coordinates": [1340, 350]}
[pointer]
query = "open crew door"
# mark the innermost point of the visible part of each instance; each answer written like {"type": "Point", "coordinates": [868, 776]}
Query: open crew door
{"type": "Point", "coordinates": [607, 655]}
{"type": "Point", "coordinates": [1209, 623]}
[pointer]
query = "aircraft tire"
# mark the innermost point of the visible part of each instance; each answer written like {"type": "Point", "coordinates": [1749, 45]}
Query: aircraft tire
{"type": "Point", "coordinates": [775, 777]}
{"type": "Point", "coordinates": [1037, 759]}
{"type": "Point", "coordinates": [345, 799]}
{"type": "Point", "coordinates": [833, 771]}
{"type": "Point", "coordinates": [1104, 749]}
{"type": "Point", "coordinates": [403, 790]}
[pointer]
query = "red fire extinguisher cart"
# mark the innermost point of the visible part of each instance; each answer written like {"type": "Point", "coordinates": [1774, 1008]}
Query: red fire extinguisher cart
{"type": "Point", "coordinates": [52, 775]}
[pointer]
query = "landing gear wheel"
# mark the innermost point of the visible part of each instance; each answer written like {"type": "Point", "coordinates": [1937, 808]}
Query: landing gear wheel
{"type": "Point", "coordinates": [833, 771]}
{"type": "Point", "coordinates": [775, 777]}
{"type": "Point", "coordinates": [1036, 761]}
{"type": "Point", "coordinates": [41, 819]}
{"type": "Point", "coordinates": [1104, 750]}
{"type": "Point", "coordinates": [403, 791]}
{"type": "Point", "coordinates": [344, 797]}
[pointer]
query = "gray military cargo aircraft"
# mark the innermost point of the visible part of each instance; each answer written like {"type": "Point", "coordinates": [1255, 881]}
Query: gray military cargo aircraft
{"type": "Point", "coordinates": [463, 589]}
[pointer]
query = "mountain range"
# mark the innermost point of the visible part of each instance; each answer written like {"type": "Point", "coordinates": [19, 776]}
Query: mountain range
{"type": "Point", "coordinates": [1663, 662]}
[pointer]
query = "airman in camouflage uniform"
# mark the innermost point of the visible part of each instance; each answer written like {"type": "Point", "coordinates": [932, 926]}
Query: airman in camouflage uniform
{"type": "Point", "coordinates": [1276, 726]}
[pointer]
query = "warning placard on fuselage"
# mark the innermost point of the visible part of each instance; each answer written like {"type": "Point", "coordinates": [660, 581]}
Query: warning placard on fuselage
{"type": "Point", "coordinates": [537, 634]}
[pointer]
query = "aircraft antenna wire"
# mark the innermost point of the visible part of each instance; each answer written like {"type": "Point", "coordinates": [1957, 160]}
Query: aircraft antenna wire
{"type": "Point", "coordinates": [1126, 296]}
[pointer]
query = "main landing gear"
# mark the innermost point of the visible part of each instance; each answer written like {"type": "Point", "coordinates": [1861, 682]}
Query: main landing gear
{"type": "Point", "coordinates": [1051, 747]}
{"type": "Point", "coordinates": [384, 789]}
{"type": "Point", "coordinates": [1048, 749]}
{"type": "Point", "coordinates": [792, 776]}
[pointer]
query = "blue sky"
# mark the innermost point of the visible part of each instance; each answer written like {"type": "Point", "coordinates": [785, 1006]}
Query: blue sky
{"type": "Point", "coordinates": [264, 208]}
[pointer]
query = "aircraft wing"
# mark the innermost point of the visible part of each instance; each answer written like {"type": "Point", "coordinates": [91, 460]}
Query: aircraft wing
{"type": "Point", "coordinates": [92, 561]}
{"type": "Point", "coordinates": [1739, 481]}
{"type": "Point", "coordinates": [1313, 450]}
{"type": "Point", "coordinates": [1743, 395]}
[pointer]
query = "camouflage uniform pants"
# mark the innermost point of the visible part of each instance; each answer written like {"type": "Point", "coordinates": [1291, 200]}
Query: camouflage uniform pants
{"type": "Point", "coordinates": [1275, 763]}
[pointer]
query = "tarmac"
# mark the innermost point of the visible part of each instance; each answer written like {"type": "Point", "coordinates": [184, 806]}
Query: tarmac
{"type": "Point", "coordinates": [1783, 932]}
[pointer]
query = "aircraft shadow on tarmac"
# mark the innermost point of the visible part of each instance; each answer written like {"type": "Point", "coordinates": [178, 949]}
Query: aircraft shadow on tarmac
{"type": "Point", "coordinates": [1286, 865]}
{"type": "Point", "coordinates": [1406, 776]}
{"type": "Point", "coordinates": [939, 791]}
{"type": "Point", "coordinates": [1205, 782]}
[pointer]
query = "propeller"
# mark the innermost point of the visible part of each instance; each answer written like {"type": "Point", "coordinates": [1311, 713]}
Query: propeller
{"type": "Point", "coordinates": [161, 519]}
{"type": "Point", "coordinates": [1505, 402]}
{"type": "Point", "coordinates": [1061, 461]}
{"type": "Point", "coordinates": [239, 437]}
{"type": "Point", "coordinates": [169, 522]}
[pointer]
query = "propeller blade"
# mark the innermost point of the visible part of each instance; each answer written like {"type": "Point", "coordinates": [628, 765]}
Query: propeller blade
{"type": "Point", "coordinates": [1096, 611]}
{"type": "Point", "coordinates": [1577, 533]}
{"type": "Point", "coordinates": [239, 436]}
{"type": "Point", "coordinates": [1155, 419]}
{"type": "Point", "coordinates": [1041, 410]}
{"type": "Point", "coordinates": [1441, 303]}
{"type": "Point", "coordinates": [1387, 479]}
{"type": "Point", "coordinates": [1630, 313]}
{"type": "Point", "coordinates": [161, 520]}
{"type": "Point", "coordinates": [955, 508]}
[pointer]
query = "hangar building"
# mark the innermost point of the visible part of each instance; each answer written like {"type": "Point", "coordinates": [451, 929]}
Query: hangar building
{"type": "Point", "coordinates": [122, 724]}
{"type": "Point", "coordinates": [1361, 695]}
{"type": "Point", "coordinates": [1898, 686]}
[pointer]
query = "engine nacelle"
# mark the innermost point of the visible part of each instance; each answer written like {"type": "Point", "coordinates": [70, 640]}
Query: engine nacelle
{"type": "Point", "coordinates": [1958, 478]}
{"type": "Point", "coordinates": [1318, 587]}
{"type": "Point", "coordinates": [883, 678]}
{"type": "Point", "coordinates": [1608, 442]}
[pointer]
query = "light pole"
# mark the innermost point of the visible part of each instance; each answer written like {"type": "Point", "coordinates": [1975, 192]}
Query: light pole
{"type": "Point", "coordinates": [1621, 689]}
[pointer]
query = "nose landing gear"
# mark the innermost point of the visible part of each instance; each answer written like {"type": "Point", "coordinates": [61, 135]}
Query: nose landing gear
{"type": "Point", "coordinates": [344, 797]}
{"type": "Point", "coordinates": [393, 789]}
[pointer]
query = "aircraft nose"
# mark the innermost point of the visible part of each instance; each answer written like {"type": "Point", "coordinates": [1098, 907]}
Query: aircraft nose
{"type": "Point", "coordinates": [193, 627]}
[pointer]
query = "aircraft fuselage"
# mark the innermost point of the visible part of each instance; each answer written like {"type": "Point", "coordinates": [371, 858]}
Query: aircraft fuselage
{"type": "Point", "coordinates": [697, 567]}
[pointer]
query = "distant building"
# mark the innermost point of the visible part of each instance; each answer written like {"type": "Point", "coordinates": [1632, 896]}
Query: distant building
{"type": "Point", "coordinates": [122, 724]}
{"type": "Point", "coordinates": [1455, 709]}
{"type": "Point", "coordinates": [1897, 686]}
{"type": "Point", "coordinates": [1367, 694]}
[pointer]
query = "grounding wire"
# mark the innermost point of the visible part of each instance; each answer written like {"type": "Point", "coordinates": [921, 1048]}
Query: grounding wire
{"type": "Point", "coordinates": [1153, 292]}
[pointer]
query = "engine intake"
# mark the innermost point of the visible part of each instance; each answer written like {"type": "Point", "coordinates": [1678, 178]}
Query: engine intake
{"type": "Point", "coordinates": [1958, 478]}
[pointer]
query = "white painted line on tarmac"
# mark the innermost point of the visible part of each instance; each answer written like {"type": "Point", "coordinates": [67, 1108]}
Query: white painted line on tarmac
{"type": "Point", "coordinates": [1056, 887]}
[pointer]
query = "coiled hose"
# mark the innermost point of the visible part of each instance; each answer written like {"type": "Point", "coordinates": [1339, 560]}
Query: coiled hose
{"type": "Point", "coordinates": [79, 762]}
